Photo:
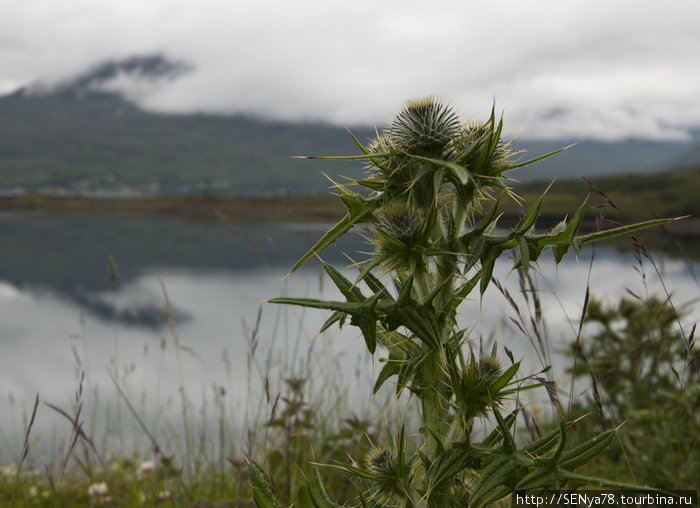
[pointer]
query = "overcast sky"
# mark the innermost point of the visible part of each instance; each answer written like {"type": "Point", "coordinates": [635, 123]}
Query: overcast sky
{"type": "Point", "coordinates": [596, 68]}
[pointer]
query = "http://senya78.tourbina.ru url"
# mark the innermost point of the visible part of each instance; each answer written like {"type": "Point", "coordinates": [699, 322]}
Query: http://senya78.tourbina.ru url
{"type": "Point", "coordinates": [600, 498]}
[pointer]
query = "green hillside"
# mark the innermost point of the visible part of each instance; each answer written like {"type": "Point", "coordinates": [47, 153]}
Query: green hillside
{"type": "Point", "coordinates": [666, 194]}
{"type": "Point", "coordinates": [77, 137]}
{"type": "Point", "coordinates": [102, 142]}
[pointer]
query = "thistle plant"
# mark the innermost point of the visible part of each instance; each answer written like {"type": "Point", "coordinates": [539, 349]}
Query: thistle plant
{"type": "Point", "coordinates": [429, 207]}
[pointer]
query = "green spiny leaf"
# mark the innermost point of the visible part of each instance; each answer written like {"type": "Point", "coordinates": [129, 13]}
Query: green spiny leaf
{"type": "Point", "coordinates": [487, 266]}
{"type": "Point", "coordinates": [368, 155]}
{"type": "Point", "coordinates": [438, 177]}
{"type": "Point", "coordinates": [368, 327]}
{"type": "Point", "coordinates": [342, 227]}
{"type": "Point", "coordinates": [391, 368]}
{"type": "Point", "coordinates": [374, 184]}
{"type": "Point", "coordinates": [359, 210]}
{"type": "Point", "coordinates": [335, 317]}
{"type": "Point", "coordinates": [543, 444]}
{"type": "Point", "coordinates": [504, 379]}
{"type": "Point", "coordinates": [508, 441]}
{"type": "Point", "coordinates": [460, 172]}
{"type": "Point", "coordinates": [347, 288]}
{"type": "Point", "coordinates": [568, 475]}
{"type": "Point", "coordinates": [452, 461]}
{"type": "Point", "coordinates": [355, 471]}
{"type": "Point", "coordinates": [487, 220]}
{"type": "Point", "coordinates": [540, 478]}
{"type": "Point", "coordinates": [375, 285]}
{"type": "Point", "coordinates": [496, 474]}
{"type": "Point", "coordinates": [524, 257]}
{"type": "Point", "coordinates": [423, 325]}
{"type": "Point", "coordinates": [542, 157]}
{"type": "Point", "coordinates": [405, 372]}
{"type": "Point", "coordinates": [473, 252]}
{"type": "Point", "coordinates": [262, 495]}
{"type": "Point", "coordinates": [497, 433]}
{"type": "Point", "coordinates": [346, 307]}
{"type": "Point", "coordinates": [577, 457]}
{"type": "Point", "coordinates": [317, 492]}
{"type": "Point", "coordinates": [530, 217]}
{"type": "Point", "coordinates": [404, 289]}
{"type": "Point", "coordinates": [560, 251]}
{"type": "Point", "coordinates": [357, 142]}
{"type": "Point", "coordinates": [562, 442]}
{"type": "Point", "coordinates": [622, 230]}
{"type": "Point", "coordinates": [359, 207]}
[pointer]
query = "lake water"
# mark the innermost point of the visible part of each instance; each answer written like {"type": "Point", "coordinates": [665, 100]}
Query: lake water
{"type": "Point", "coordinates": [61, 316]}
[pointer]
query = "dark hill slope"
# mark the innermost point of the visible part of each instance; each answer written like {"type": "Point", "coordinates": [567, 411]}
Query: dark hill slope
{"type": "Point", "coordinates": [100, 141]}
{"type": "Point", "coordinates": [78, 137]}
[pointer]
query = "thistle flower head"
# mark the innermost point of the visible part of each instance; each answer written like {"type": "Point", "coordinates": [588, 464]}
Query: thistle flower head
{"type": "Point", "coordinates": [489, 369]}
{"type": "Point", "coordinates": [380, 144]}
{"type": "Point", "coordinates": [476, 391]}
{"type": "Point", "coordinates": [390, 477]}
{"type": "Point", "coordinates": [381, 462]}
{"type": "Point", "coordinates": [424, 126]}
{"type": "Point", "coordinates": [475, 138]}
{"type": "Point", "coordinates": [401, 222]}
{"type": "Point", "coordinates": [398, 236]}
{"type": "Point", "coordinates": [385, 165]}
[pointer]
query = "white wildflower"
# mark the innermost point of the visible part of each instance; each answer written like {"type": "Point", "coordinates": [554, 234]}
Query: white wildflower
{"type": "Point", "coordinates": [147, 470]}
{"type": "Point", "coordinates": [98, 492]}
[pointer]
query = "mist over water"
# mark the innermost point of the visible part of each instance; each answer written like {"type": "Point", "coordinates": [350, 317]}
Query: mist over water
{"type": "Point", "coordinates": [179, 323]}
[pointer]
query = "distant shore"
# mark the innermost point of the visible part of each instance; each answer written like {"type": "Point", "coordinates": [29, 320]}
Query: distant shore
{"type": "Point", "coordinates": [277, 208]}
{"type": "Point", "coordinates": [204, 208]}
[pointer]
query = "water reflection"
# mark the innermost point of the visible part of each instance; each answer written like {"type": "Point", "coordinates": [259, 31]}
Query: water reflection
{"type": "Point", "coordinates": [59, 317]}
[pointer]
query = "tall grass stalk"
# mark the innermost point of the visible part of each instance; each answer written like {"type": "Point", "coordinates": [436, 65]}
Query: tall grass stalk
{"type": "Point", "coordinates": [25, 449]}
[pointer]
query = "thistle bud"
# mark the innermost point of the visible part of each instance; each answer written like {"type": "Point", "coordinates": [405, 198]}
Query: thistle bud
{"type": "Point", "coordinates": [400, 222]}
{"type": "Point", "coordinates": [489, 369]}
{"type": "Point", "coordinates": [388, 485]}
{"type": "Point", "coordinates": [381, 462]}
{"type": "Point", "coordinates": [386, 165]}
{"type": "Point", "coordinates": [424, 126]}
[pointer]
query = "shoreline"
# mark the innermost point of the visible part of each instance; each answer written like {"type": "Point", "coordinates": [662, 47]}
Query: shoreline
{"type": "Point", "coordinates": [198, 207]}
{"type": "Point", "coordinates": [249, 208]}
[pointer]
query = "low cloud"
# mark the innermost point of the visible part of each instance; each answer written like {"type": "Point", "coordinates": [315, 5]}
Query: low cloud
{"type": "Point", "coordinates": [610, 70]}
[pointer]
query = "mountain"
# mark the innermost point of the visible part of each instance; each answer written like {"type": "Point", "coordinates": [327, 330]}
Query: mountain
{"type": "Point", "coordinates": [690, 156]}
{"type": "Point", "coordinates": [84, 135]}
{"type": "Point", "coordinates": [80, 137]}
{"type": "Point", "coordinates": [600, 158]}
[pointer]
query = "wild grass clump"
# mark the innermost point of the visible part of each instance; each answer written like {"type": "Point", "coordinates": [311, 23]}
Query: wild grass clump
{"type": "Point", "coordinates": [125, 447]}
{"type": "Point", "coordinates": [429, 207]}
{"type": "Point", "coordinates": [644, 378]}
{"type": "Point", "coordinates": [290, 421]}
